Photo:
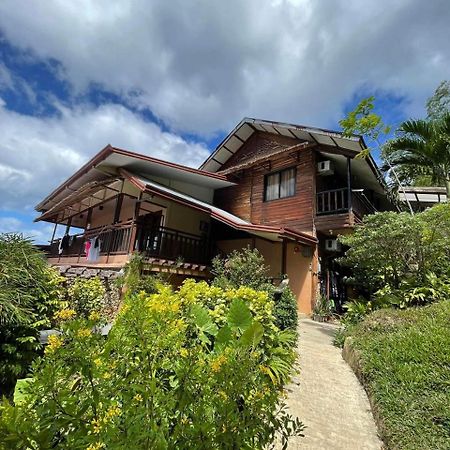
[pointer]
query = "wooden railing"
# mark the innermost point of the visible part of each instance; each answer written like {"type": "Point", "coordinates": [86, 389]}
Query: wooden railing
{"type": "Point", "coordinates": [161, 242]}
{"type": "Point", "coordinates": [172, 244]}
{"type": "Point", "coordinates": [335, 201]}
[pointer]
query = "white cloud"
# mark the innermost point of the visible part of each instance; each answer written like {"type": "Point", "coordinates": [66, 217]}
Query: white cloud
{"type": "Point", "coordinates": [39, 233]}
{"type": "Point", "coordinates": [38, 153]}
{"type": "Point", "coordinates": [202, 65]}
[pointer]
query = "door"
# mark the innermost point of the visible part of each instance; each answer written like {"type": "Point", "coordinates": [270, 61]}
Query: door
{"type": "Point", "coordinates": [148, 227]}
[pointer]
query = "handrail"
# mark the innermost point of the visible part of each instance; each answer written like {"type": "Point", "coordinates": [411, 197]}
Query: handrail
{"type": "Point", "coordinates": [335, 201]}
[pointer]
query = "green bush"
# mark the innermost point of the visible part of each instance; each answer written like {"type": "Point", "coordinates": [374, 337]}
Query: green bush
{"type": "Point", "coordinates": [390, 248]}
{"type": "Point", "coordinates": [241, 268]}
{"type": "Point", "coordinates": [247, 268]}
{"type": "Point", "coordinates": [85, 295]}
{"type": "Point", "coordinates": [29, 296]}
{"type": "Point", "coordinates": [199, 368]}
{"type": "Point", "coordinates": [399, 259]}
{"type": "Point", "coordinates": [285, 310]}
{"type": "Point", "coordinates": [405, 362]}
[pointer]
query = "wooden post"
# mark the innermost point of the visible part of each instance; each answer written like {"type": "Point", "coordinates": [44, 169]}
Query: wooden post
{"type": "Point", "coordinates": [283, 256]}
{"type": "Point", "coordinates": [87, 223]}
{"type": "Point", "coordinates": [54, 232]}
{"type": "Point", "coordinates": [69, 223]}
{"type": "Point", "coordinates": [118, 208]}
{"type": "Point", "coordinates": [134, 224]}
{"type": "Point", "coordinates": [349, 182]}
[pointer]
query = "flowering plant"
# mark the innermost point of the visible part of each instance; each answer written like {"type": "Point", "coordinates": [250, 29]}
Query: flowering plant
{"type": "Point", "coordinates": [199, 368]}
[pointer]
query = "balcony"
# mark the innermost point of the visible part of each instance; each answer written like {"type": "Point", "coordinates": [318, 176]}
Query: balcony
{"type": "Point", "coordinates": [119, 240]}
{"type": "Point", "coordinates": [335, 207]}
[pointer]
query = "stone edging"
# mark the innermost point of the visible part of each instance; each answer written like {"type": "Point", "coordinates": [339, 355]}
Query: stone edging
{"type": "Point", "coordinates": [352, 356]}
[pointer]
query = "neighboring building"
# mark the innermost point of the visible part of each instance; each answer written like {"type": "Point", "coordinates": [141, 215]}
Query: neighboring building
{"type": "Point", "coordinates": [421, 198]}
{"type": "Point", "coordinates": [287, 190]}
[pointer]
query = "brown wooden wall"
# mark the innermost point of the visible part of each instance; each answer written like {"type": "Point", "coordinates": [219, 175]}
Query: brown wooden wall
{"type": "Point", "coordinates": [246, 200]}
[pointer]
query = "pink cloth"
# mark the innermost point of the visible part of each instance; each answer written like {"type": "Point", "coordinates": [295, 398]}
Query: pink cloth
{"type": "Point", "coordinates": [87, 247]}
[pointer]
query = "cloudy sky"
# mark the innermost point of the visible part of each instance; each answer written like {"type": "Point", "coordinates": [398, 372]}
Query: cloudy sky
{"type": "Point", "coordinates": [169, 78]}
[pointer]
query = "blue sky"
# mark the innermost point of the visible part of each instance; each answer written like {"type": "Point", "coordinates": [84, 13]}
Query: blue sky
{"type": "Point", "coordinates": [170, 79]}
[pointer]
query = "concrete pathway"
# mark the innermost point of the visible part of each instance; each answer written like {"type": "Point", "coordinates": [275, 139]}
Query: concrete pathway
{"type": "Point", "coordinates": [327, 396]}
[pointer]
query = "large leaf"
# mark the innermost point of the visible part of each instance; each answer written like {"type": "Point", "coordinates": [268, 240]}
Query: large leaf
{"type": "Point", "coordinates": [21, 391]}
{"type": "Point", "coordinates": [252, 335]}
{"type": "Point", "coordinates": [223, 336]}
{"type": "Point", "coordinates": [203, 320]}
{"type": "Point", "coordinates": [239, 315]}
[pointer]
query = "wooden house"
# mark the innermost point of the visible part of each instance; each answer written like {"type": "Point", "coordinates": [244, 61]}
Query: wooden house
{"type": "Point", "coordinates": [285, 189]}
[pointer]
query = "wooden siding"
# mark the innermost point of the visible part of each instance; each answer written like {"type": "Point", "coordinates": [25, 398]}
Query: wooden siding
{"type": "Point", "coordinates": [334, 222]}
{"type": "Point", "coordinates": [246, 199]}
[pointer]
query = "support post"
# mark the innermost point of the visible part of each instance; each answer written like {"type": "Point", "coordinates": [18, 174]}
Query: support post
{"type": "Point", "coordinates": [134, 224]}
{"type": "Point", "coordinates": [349, 183]}
{"type": "Point", "coordinates": [283, 256]}
{"type": "Point", "coordinates": [69, 223]}
{"type": "Point", "coordinates": [54, 233]}
{"type": "Point", "coordinates": [118, 208]}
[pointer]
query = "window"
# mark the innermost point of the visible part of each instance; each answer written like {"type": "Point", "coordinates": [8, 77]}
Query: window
{"type": "Point", "coordinates": [280, 184]}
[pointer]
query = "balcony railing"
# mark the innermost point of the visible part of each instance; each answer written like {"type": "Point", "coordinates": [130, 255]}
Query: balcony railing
{"type": "Point", "coordinates": [172, 244]}
{"type": "Point", "coordinates": [336, 201]}
{"type": "Point", "coordinates": [160, 242]}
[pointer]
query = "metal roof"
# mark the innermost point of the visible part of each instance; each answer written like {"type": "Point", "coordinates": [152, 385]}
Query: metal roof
{"type": "Point", "coordinates": [244, 130]}
{"type": "Point", "coordinates": [427, 195]}
{"type": "Point", "coordinates": [106, 163]}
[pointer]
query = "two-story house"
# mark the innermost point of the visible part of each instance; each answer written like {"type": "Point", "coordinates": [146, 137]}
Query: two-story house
{"type": "Point", "coordinates": [285, 189]}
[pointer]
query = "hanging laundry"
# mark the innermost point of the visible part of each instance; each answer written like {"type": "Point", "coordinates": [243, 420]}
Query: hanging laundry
{"type": "Point", "coordinates": [94, 251]}
{"type": "Point", "coordinates": [63, 244]}
{"type": "Point", "coordinates": [87, 248]}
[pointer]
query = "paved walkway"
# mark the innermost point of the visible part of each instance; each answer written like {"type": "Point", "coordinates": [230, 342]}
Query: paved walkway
{"type": "Point", "coordinates": [327, 397]}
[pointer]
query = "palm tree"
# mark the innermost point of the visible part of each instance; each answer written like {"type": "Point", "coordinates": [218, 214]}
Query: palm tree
{"type": "Point", "coordinates": [423, 147]}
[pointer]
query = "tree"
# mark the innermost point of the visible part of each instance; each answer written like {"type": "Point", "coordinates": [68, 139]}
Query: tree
{"type": "Point", "coordinates": [438, 105]}
{"type": "Point", "coordinates": [364, 122]}
{"type": "Point", "coordinates": [423, 148]}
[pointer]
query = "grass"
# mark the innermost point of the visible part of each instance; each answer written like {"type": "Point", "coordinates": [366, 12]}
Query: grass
{"type": "Point", "coordinates": [405, 359]}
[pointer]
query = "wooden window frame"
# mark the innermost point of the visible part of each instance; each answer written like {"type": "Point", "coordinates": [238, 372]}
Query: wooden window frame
{"type": "Point", "coordinates": [279, 172]}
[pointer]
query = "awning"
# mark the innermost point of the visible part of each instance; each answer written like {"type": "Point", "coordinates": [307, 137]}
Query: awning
{"type": "Point", "coordinates": [265, 231]}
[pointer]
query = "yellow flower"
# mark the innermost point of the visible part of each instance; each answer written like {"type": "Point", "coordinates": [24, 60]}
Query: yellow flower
{"type": "Point", "coordinates": [98, 362]}
{"type": "Point", "coordinates": [113, 411]}
{"type": "Point", "coordinates": [106, 376]}
{"type": "Point", "coordinates": [138, 398]}
{"type": "Point", "coordinates": [96, 446]}
{"type": "Point", "coordinates": [124, 309]}
{"type": "Point", "coordinates": [65, 314]}
{"type": "Point", "coordinates": [84, 332]}
{"type": "Point", "coordinates": [54, 342]}
{"type": "Point", "coordinates": [97, 426]}
{"type": "Point", "coordinates": [223, 395]}
{"type": "Point", "coordinates": [217, 363]}
{"type": "Point", "coordinates": [94, 315]}
{"type": "Point", "coordinates": [184, 352]}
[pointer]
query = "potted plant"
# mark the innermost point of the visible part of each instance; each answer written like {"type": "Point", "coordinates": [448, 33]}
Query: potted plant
{"type": "Point", "coordinates": [323, 309]}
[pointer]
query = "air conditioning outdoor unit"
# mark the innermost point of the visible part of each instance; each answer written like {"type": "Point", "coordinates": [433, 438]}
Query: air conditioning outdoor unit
{"type": "Point", "coordinates": [325, 168]}
{"type": "Point", "coordinates": [332, 245]}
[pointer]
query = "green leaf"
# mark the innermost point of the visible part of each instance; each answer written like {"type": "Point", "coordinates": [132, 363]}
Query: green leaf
{"type": "Point", "coordinates": [203, 320]}
{"type": "Point", "coordinates": [252, 335]}
{"type": "Point", "coordinates": [223, 336]}
{"type": "Point", "coordinates": [21, 391]}
{"type": "Point", "coordinates": [239, 315]}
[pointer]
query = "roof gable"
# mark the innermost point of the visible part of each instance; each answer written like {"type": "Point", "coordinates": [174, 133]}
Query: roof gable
{"type": "Point", "coordinates": [248, 126]}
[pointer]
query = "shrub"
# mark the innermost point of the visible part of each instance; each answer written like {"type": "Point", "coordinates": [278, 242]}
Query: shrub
{"type": "Point", "coordinates": [390, 248]}
{"type": "Point", "coordinates": [285, 310]}
{"type": "Point", "coordinates": [198, 368]}
{"type": "Point", "coordinates": [247, 268]}
{"type": "Point", "coordinates": [29, 295]}
{"type": "Point", "coordinates": [86, 295]}
{"type": "Point", "coordinates": [241, 268]}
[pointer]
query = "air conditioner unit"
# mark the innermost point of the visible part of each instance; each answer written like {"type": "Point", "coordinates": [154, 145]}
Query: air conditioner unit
{"type": "Point", "coordinates": [332, 245]}
{"type": "Point", "coordinates": [325, 168]}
